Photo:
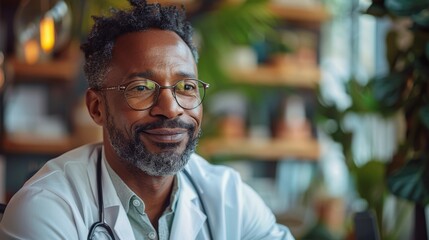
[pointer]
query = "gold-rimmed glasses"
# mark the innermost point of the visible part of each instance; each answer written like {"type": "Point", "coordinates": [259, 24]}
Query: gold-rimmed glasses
{"type": "Point", "coordinates": [143, 94]}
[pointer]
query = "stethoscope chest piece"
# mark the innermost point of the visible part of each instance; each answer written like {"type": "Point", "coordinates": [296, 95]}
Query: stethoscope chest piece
{"type": "Point", "coordinates": [99, 232]}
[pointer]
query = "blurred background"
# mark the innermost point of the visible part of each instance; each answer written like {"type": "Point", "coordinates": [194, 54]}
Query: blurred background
{"type": "Point", "coordinates": [322, 106]}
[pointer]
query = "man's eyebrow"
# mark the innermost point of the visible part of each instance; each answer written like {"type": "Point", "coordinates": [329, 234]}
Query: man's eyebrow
{"type": "Point", "coordinates": [186, 75]}
{"type": "Point", "coordinates": [147, 74]}
{"type": "Point", "coordinates": [150, 74]}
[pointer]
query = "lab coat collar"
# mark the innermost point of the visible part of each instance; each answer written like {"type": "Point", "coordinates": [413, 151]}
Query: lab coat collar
{"type": "Point", "coordinates": [114, 213]}
{"type": "Point", "coordinates": [188, 218]}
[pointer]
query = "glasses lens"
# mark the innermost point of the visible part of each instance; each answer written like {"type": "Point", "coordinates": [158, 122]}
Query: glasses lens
{"type": "Point", "coordinates": [189, 93]}
{"type": "Point", "coordinates": [141, 94]}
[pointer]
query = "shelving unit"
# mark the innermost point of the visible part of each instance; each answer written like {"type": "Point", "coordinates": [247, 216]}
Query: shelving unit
{"type": "Point", "coordinates": [61, 70]}
{"type": "Point", "coordinates": [26, 150]}
{"type": "Point", "coordinates": [264, 149]}
{"type": "Point", "coordinates": [299, 77]}
{"type": "Point", "coordinates": [290, 75]}
{"type": "Point", "coordinates": [314, 14]}
{"type": "Point", "coordinates": [27, 144]}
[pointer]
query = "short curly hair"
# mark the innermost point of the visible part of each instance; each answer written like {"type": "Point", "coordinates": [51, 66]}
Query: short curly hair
{"type": "Point", "coordinates": [141, 16]}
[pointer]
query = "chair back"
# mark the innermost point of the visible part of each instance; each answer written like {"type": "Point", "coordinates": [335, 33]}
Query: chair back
{"type": "Point", "coordinates": [2, 208]}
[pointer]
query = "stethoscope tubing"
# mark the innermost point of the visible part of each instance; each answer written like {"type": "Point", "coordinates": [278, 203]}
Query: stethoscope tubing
{"type": "Point", "coordinates": [101, 222]}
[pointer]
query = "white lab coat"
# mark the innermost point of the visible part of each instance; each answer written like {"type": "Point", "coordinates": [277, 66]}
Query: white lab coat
{"type": "Point", "coordinates": [60, 202]}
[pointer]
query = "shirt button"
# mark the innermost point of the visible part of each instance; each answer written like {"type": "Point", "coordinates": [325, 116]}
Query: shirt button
{"type": "Point", "coordinates": [136, 203]}
{"type": "Point", "coordinates": [152, 235]}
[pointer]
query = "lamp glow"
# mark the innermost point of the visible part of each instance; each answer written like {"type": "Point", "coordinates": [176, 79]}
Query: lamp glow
{"type": "Point", "coordinates": [31, 52]}
{"type": "Point", "coordinates": [47, 33]}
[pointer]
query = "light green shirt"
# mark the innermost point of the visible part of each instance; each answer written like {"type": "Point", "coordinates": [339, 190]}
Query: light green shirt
{"type": "Point", "coordinates": [135, 209]}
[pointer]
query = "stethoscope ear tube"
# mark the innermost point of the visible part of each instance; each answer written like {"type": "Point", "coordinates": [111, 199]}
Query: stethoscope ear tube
{"type": "Point", "coordinates": [101, 224]}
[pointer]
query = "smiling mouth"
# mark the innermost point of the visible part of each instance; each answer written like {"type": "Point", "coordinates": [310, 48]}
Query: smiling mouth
{"type": "Point", "coordinates": [166, 135]}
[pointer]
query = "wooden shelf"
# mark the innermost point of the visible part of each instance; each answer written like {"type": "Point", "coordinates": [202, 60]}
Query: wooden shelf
{"type": "Point", "coordinates": [304, 77]}
{"type": "Point", "coordinates": [270, 149]}
{"type": "Point", "coordinates": [27, 144]}
{"type": "Point", "coordinates": [64, 68]}
{"type": "Point", "coordinates": [313, 14]}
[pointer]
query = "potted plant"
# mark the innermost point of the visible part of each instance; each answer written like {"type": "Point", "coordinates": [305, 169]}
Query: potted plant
{"type": "Point", "coordinates": [405, 91]}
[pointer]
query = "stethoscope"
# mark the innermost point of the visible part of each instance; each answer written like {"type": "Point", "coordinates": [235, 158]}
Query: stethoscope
{"type": "Point", "coordinates": [102, 228]}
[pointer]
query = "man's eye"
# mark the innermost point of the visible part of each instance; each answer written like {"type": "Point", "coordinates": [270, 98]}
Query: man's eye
{"type": "Point", "coordinates": [185, 86]}
{"type": "Point", "coordinates": [141, 88]}
{"type": "Point", "coordinates": [189, 87]}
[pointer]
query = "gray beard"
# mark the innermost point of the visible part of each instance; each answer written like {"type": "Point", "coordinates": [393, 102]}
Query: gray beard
{"type": "Point", "coordinates": [138, 158]}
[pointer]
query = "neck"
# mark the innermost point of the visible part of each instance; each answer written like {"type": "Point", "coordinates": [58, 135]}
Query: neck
{"type": "Point", "coordinates": [155, 191]}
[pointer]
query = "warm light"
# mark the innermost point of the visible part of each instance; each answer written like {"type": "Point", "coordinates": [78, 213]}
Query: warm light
{"type": "Point", "coordinates": [2, 78]}
{"type": "Point", "coordinates": [47, 34]}
{"type": "Point", "coordinates": [31, 51]}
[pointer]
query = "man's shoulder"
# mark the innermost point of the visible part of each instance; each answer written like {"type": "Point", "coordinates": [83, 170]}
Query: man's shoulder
{"type": "Point", "coordinates": [62, 182]}
{"type": "Point", "coordinates": [74, 164]}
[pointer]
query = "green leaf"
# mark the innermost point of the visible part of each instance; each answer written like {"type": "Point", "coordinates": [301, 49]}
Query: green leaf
{"type": "Point", "coordinates": [362, 97]}
{"type": "Point", "coordinates": [388, 89]}
{"type": "Point", "coordinates": [225, 27]}
{"type": "Point", "coordinates": [370, 182]}
{"type": "Point", "coordinates": [98, 8]}
{"type": "Point", "coordinates": [376, 9]}
{"type": "Point", "coordinates": [411, 181]}
{"type": "Point", "coordinates": [406, 7]}
{"type": "Point", "coordinates": [422, 19]}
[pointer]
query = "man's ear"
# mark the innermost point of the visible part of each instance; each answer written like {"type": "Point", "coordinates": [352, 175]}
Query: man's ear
{"type": "Point", "coordinates": [95, 106]}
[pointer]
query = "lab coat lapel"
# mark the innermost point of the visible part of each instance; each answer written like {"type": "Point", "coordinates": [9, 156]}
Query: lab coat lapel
{"type": "Point", "coordinates": [114, 214]}
{"type": "Point", "coordinates": [188, 218]}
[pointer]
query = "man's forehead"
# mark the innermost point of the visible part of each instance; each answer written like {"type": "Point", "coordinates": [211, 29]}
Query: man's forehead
{"type": "Point", "coordinates": [150, 36]}
{"type": "Point", "coordinates": [151, 42]}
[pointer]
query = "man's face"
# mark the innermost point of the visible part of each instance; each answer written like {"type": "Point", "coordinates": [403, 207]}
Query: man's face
{"type": "Point", "coordinates": [158, 140]}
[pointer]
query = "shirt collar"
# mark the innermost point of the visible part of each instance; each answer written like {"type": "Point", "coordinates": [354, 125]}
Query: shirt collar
{"type": "Point", "coordinates": [126, 195]}
{"type": "Point", "coordinates": [124, 192]}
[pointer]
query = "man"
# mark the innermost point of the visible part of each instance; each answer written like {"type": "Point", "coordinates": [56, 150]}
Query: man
{"type": "Point", "coordinates": [143, 181]}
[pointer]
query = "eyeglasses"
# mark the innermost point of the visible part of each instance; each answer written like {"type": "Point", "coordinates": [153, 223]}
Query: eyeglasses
{"type": "Point", "coordinates": [143, 94]}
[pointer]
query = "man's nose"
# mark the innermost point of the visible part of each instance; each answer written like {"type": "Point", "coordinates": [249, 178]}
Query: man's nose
{"type": "Point", "coordinates": [166, 104]}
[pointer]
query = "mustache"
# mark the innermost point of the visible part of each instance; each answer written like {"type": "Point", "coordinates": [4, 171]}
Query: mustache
{"type": "Point", "coordinates": [165, 123]}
